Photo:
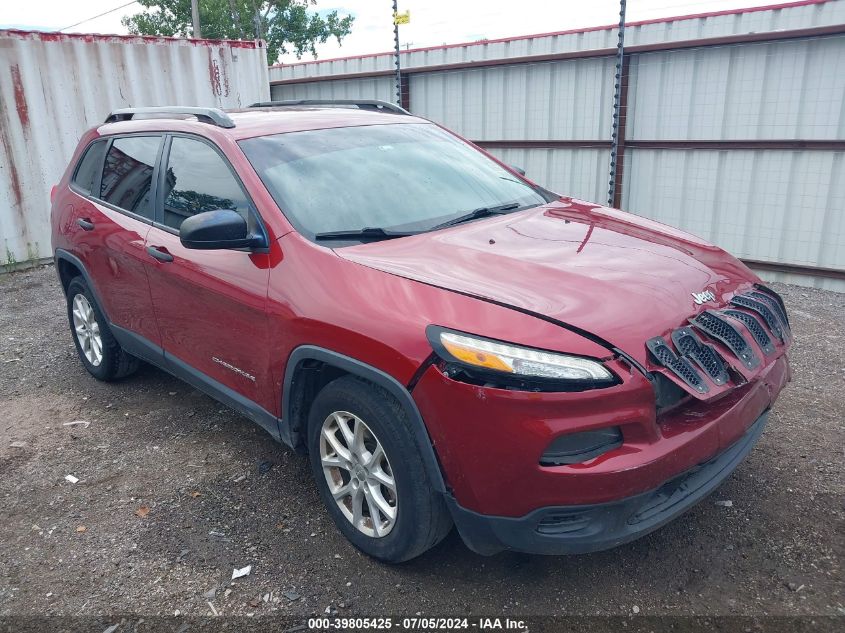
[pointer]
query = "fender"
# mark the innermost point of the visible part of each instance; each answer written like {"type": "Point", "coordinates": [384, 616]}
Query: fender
{"type": "Point", "coordinates": [376, 376]}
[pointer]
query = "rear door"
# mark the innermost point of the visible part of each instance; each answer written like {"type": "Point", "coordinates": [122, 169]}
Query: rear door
{"type": "Point", "coordinates": [115, 181]}
{"type": "Point", "coordinates": [210, 305]}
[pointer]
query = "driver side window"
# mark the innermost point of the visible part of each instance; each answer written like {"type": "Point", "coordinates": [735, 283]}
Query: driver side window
{"type": "Point", "coordinates": [198, 179]}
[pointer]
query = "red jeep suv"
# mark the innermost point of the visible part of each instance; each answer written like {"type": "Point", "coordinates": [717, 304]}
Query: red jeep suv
{"type": "Point", "coordinates": [449, 342]}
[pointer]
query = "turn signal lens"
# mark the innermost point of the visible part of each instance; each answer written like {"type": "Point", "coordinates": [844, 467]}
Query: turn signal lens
{"type": "Point", "coordinates": [473, 355]}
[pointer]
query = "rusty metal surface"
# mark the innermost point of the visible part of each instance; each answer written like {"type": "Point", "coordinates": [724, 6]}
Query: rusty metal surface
{"type": "Point", "coordinates": [55, 86]}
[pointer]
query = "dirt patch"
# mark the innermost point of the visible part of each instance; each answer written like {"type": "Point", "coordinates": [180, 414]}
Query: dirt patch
{"type": "Point", "coordinates": [170, 499]}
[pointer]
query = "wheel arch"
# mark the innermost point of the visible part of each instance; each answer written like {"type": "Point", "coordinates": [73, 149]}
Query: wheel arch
{"type": "Point", "coordinates": [296, 393]}
{"type": "Point", "coordinates": [66, 264]}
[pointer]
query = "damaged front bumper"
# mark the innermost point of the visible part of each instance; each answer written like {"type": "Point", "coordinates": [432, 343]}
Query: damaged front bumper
{"type": "Point", "coordinates": [589, 528]}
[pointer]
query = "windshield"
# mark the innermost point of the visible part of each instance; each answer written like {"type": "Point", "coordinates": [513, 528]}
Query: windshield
{"type": "Point", "coordinates": [402, 178]}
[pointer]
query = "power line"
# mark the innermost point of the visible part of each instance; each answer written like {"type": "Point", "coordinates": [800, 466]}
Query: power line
{"type": "Point", "coordinates": [123, 6]}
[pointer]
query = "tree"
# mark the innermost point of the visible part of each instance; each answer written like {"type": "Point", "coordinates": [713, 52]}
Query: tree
{"type": "Point", "coordinates": [286, 25]}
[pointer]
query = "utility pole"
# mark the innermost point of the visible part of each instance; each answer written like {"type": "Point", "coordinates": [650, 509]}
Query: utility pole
{"type": "Point", "coordinates": [617, 102]}
{"type": "Point", "coordinates": [195, 18]}
{"type": "Point", "coordinates": [396, 42]}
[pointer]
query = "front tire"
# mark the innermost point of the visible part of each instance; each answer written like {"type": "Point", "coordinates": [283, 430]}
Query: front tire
{"type": "Point", "coordinates": [98, 350]}
{"type": "Point", "coordinates": [371, 474]}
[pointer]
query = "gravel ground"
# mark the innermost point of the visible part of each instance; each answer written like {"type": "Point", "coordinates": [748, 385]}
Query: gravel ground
{"type": "Point", "coordinates": [171, 498]}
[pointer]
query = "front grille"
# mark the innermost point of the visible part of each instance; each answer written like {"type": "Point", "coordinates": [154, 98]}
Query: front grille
{"type": "Point", "coordinates": [751, 302]}
{"type": "Point", "coordinates": [775, 306]}
{"type": "Point", "coordinates": [781, 308]}
{"type": "Point", "coordinates": [690, 346]}
{"type": "Point", "coordinates": [697, 354]}
{"type": "Point", "coordinates": [714, 325]}
{"type": "Point", "coordinates": [756, 329]}
{"type": "Point", "coordinates": [681, 367]}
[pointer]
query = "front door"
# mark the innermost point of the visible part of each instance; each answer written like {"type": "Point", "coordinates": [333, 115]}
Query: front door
{"type": "Point", "coordinates": [210, 305]}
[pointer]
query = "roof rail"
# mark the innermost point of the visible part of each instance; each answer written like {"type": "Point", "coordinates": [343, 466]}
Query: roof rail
{"type": "Point", "coordinates": [363, 104]}
{"type": "Point", "coordinates": [213, 116]}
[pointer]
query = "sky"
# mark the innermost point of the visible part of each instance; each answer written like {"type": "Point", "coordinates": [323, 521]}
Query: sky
{"type": "Point", "coordinates": [433, 22]}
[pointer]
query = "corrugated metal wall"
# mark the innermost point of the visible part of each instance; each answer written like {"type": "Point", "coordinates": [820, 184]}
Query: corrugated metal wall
{"type": "Point", "coordinates": [373, 88]}
{"type": "Point", "coordinates": [788, 89]}
{"type": "Point", "coordinates": [563, 100]}
{"type": "Point", "coordinates": [793, 15]}
{"type": "Point", "coordinates": [734, 123]}
{"type": "Point", "coordinates": [53, 87]}
{"type": "Point", "coordinates": [775, 205]}
{"type": "Point", "coordinates": [580, 172]}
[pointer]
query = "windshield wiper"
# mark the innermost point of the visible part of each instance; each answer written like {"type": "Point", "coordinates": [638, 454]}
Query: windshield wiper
{"type": "Point", "coordinates": [481, 212]}
{"type": "Point", "coordinates": [379, 233]}
{"type": "Point", "coordinates": [367, 233]}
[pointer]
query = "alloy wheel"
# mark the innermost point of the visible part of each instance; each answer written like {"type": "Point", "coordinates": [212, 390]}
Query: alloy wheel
{"type": "Point", "coordinates": [358, 474]}
{"type": "Point", "coordinates": [87, 330]}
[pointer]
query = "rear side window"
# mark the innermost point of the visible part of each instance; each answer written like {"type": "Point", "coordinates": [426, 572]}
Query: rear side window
{"type": "Point", "coordinates": [198, 179]}
{"type": "Point", "coordinates": [86, 170]}
{"type": "Point", "coordinates": [128, 174]}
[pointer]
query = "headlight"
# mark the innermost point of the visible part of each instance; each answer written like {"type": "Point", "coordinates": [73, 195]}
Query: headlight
{"type": "Point", "coordinates": [514, 360]}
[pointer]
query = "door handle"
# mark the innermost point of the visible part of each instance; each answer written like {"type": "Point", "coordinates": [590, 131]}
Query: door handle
{"type": "Point", "coordinates": [159, 253]}
{"type": "Point", "coordinates": [86, 224]}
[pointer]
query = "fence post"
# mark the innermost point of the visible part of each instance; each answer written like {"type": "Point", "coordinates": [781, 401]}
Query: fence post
{"type": "Point", "coordinates": [617, 135]}
{"type": "Point", "coordinates": [396, 43]}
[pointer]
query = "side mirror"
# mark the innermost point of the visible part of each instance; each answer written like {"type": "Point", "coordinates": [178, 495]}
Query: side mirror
{"type": "Point", "coordinates": [518, 170]}
{"type": "Point", "coordinates": [218, 229]}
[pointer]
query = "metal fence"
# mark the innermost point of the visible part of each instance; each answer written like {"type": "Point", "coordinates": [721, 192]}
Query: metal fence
{"type": "Point", "coordinates": [55, 86]}
{"type": "Point", "coordinates": [732, 124]}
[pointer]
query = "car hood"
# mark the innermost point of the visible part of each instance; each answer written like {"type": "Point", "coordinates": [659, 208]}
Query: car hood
{"type": "Point", "coordinates": [618, 276]}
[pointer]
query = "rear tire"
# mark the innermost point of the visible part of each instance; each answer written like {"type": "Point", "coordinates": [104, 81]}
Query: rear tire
{"type": "Point", "coordinates": [99, 351]}
{"type": "Point", "coordinates": [388, 481]}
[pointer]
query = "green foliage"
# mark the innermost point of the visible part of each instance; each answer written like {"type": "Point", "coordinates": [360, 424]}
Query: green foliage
{"type": "Point", "coordinates": [11, 261]}
{"type": "Point", "coordinates": [286, 25]}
